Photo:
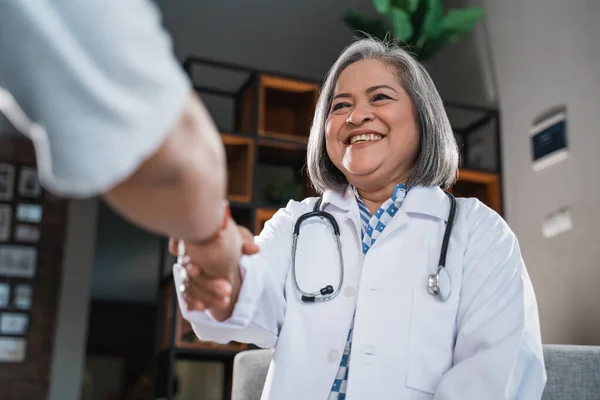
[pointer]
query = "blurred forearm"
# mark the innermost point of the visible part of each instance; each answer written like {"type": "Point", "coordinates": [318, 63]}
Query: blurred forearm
{"type": "Point", "coordinates": [180, 190]}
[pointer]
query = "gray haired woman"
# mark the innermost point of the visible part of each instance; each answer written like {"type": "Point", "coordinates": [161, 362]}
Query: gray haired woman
{"type": "Point", "coordinates": [351, 316]}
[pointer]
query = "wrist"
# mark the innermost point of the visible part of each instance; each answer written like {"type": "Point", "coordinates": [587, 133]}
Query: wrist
{"type": "Point", "coordinates": [222, 227]}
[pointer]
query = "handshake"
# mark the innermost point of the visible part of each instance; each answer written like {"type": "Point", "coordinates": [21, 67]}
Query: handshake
{"type": "Point", "coordinates": [210, 269]}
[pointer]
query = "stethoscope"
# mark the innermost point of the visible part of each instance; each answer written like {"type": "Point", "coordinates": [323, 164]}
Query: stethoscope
{"type": "Point", "coordinates": [329, 292]}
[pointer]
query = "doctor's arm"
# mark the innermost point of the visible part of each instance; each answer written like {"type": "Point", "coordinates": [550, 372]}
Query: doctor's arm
{"type": "Point", "coordinates": [498, 350]}
{"type": "Point", "coordinates": [257, 303]}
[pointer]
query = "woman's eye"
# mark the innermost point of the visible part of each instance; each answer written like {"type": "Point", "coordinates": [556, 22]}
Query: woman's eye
{"type": "Point", "coordinates": [381, 96]}
{"type": "Point", "coordinates": [338, 106]}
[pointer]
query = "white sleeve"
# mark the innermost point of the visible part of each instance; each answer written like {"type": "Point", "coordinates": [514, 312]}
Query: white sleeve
{"type": "Point", "coordinates": [498, 351]}
{"type": "Point", "coordinates": [259, 312]}
{"type": "Point", "coordinates": [100, 80]}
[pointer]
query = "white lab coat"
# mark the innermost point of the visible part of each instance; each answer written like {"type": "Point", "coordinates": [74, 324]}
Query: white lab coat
{"type": "Point", "coordinates": [482, 343]}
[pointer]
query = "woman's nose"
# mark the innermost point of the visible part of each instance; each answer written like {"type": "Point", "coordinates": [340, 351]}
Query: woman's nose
{"type": "Point", "coordinates": [360, 115]}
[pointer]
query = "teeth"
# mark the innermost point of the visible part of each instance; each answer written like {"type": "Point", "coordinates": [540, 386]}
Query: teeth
{"type": "Point", "coordinates": [365, 137]}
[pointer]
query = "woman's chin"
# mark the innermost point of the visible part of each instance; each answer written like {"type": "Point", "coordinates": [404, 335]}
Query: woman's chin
{"type": "Point", "coordinates": [360, 168]}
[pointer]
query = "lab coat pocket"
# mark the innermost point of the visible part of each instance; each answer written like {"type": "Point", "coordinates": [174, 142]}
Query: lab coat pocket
{"type": "Point", "coordinates": [431, 340]}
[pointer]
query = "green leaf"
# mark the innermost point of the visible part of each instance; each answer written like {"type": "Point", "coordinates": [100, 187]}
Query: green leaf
{"type": "Point", "coordinates": [462, 20]}
{"type": "Point", "coordinates": [382, 6]}
{"type": "Point", "coordinates": [410, 6]}
{"type": "Point", "coordinates": [403, 28]}
{"type": "Point", "coordinates": [432, 46]}
{"type": "Point", "coordinates": [413, 5]}
{"type": "Point", "coordinates": [360, 23]}
{"type": "Point", "coordinates": [432, 23]}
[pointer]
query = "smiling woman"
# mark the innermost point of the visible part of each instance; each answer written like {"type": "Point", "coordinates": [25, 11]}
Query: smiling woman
{"type": "Point", "coordinates": [376, 88]}
{"type": "Point", "coordinates": [381, 151]}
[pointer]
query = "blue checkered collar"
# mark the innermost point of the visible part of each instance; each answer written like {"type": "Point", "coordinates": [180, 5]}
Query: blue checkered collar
{"type": "Point", "coordinates": [426, 200]}
{"type": "Point", "coordinates": [398, 195]}
{"type": "Point", "coordinates": [374, 224]}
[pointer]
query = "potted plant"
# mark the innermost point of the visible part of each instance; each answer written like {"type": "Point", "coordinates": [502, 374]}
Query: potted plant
{"type": "Point", "coordinates": [420, 26]}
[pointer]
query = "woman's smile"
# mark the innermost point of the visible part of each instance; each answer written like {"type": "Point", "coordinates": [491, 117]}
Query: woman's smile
{"type": "Point", "coordinates": [363, 137]}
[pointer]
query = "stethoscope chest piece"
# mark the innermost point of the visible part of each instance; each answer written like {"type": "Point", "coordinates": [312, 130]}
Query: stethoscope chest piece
{"type": "Point", "coordinates": [439, 284]}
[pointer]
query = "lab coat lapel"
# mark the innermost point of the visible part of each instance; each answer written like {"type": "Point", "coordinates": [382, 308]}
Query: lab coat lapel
{"type": "Point", "coordinates": [419, 200]}
{"type": "Point", "coordinates": [345, 202]}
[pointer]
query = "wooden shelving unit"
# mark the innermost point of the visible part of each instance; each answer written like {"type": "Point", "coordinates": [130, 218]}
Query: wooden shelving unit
{"type": "Point", "coordinates": [284, 109]}
{"type": "Point", "coordinates": [262, 216]}
{"type": "Point", "coordinates": [266, 157]}
{"type": "Point", "coordinates": [483, 185]}
{"type": "Point", "coordinates": [240, 167]}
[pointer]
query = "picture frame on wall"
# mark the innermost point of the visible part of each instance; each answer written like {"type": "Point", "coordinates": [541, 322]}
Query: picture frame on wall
{"type": "Point", "coordinates": [29, 183]}
{"type": "Point", "coordinates": [5, 222]}
{"type": "Point", "coordinates": [31, 213]}
{"type": "Point", "coordinates": [27, 233]}
{"type": "Point", "coordinates": [12, 349]}
{"type": "Point", "coordinates": [23, 295]}
{"type": "Point", "coordinates": [4, 294]}
{"type": "Point", "coordinates": [18, 261]}
{"type": "Point", "coordinates": [7, 181]}
{"type": "Point", "coordinates": [14, 324]}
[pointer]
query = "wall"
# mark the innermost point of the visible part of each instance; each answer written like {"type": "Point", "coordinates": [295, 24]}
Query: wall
{"type": "Point", "coordinates": [112, 330]}
{"type": "Point", "coordinates": [546, 54]}
{"type": "Point", "coordinates": [126, 260]}
{"type": "Point", "coordinates": [31, 378]}
{"type": "Point", "coordinates": [71, 330]}
{"type": "Point", "coordinates": [296, 37]}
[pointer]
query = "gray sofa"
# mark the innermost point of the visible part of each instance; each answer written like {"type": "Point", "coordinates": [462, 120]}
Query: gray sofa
{"type": "Point", "coordinates": [573, 373]}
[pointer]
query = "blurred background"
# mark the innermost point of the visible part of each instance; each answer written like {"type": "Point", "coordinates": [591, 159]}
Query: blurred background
{"type": "Point", "coordinates": [90, 313]}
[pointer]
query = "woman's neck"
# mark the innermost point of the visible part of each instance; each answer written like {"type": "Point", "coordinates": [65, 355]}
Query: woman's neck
{"type": "Point", "coordinates": [373, 199]}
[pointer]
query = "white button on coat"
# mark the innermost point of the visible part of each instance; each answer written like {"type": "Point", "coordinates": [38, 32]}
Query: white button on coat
{"type": "Point", "coordinates": [333, 356]}
{"type": "Point", "coordinates": [482, 343]}
{"type": "Point", "coordinates": [349, 291]}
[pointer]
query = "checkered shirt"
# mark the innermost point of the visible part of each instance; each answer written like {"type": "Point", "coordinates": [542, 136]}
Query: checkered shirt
{"type": "Point", "coordinates": [372, 226]}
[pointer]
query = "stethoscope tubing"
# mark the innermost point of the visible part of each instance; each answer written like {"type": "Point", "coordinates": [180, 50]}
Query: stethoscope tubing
{"type": "Point", "coordinates": [328, 292]}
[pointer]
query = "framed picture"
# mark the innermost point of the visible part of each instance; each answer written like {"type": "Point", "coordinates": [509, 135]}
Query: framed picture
{"type": "Point", "coordinates": [29, 183]}
{"type": "Point", "coordinates": [29, 213]}
{"type": "Point", "coordinates": [12, 349]}
{"type": "Point", "coordinates": [23, 294]}
{"type": "Point", "coordinates": [18, 261]}
{"type": "Point", "coordinates": [549, 141]}
{"type": "Point", "coordinates": [5, 221]}
{"type": "Point", "coordinates": [7, 181]}
{"type": "Point", "coordinates": [27, 233]}
{"type": "Point", "coordinates": [14, 324]}
{"type": "Point", "coordinates": [4, 294]}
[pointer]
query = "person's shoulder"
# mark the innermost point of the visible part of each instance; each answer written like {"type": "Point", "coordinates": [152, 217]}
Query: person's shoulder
{"type": "Point", "coordinates": [481, 219]}
{"type": "Point", "coordinates": [296, 207]}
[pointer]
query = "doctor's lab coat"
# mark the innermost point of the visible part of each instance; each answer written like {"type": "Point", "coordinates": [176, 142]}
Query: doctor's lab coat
{"type": "Point", "coordinates": [482, 343]}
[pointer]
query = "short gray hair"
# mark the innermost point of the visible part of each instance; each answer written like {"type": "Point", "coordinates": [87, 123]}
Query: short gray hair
{"type": "Point", "coordinates": [437, 160]}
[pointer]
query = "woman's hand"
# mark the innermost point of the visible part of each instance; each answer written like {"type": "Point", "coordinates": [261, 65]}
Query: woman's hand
{"type": "Point", "coordinates": [211, 273]}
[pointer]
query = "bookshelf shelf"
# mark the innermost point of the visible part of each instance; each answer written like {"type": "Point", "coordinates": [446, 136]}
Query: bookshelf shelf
{"type": "Point", "coordinates": [240, 165]}
{"type": "Point", "coordinates": [284, 110]}
{"type": "Point", "coordinates": [483, 185]}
